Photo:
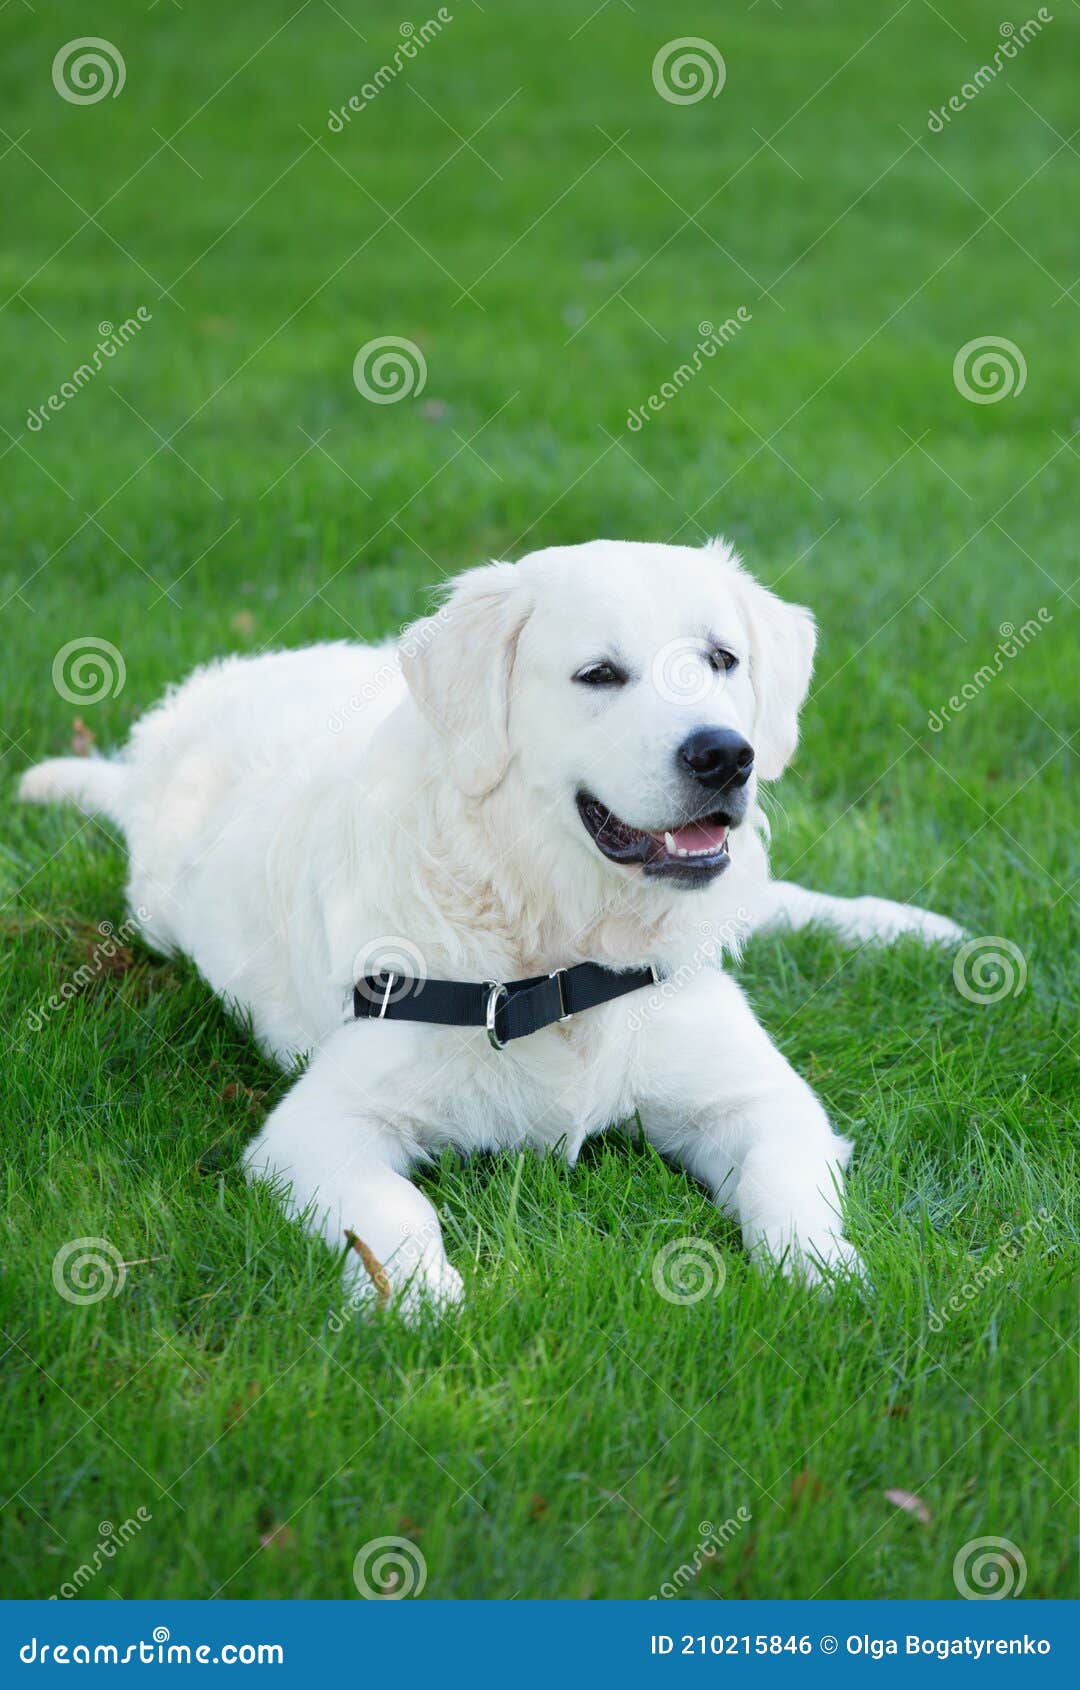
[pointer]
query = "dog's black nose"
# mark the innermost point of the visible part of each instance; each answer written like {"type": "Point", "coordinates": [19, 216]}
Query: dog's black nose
{"type": "Point", "coordinates": [717, 757]}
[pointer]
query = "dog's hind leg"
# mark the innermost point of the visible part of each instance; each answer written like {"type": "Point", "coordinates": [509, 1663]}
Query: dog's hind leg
{"type": "Point", "coordinates": [785, 906]}
{"type": "Point", "coordinates": [96, 784]}
{"type": "Point", "coordinates": [343, 1174]}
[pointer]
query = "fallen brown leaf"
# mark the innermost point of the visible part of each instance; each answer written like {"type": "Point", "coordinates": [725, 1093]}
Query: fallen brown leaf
{"type": "Point", "coordinates": [376, 1272]}
{"type": "Point", "coordinates": [236, 1410]}
{"type": "Point", "coordinates": [236, 1088]}
{"type": "Point", "coordinates": [806, 1486]}
{"type": "Point", "coordinates": [82, 738]}
{"type": "Point", "coordinates": [99, 954]}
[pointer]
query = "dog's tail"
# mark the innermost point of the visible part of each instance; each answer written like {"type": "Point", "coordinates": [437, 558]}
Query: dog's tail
{"type": "Point", "coordinates": [96, 784]}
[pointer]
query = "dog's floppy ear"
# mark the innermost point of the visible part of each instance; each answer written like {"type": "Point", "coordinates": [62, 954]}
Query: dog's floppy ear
{"type": "Point", "coordinates": [458, 665]}
{"type": "Point", "coordinates": [782, 641]}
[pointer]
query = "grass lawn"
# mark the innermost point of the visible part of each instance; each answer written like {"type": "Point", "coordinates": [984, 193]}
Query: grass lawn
{"type": "Point", "coordinates": [523, 205]}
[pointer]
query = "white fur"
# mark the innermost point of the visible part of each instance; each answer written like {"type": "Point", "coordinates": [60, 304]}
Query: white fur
{"type": "Point", "coordinates": [299, 818]}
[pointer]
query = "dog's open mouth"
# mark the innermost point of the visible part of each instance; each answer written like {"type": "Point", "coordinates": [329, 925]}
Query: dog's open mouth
{"type": "Point", "coordinates": [691, 852]}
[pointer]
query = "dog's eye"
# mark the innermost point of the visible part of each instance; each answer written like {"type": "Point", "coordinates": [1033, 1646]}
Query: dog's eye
{"type": "Point", "coordinates": [720, 659]}
{"type": "Point", "coordinates": [601, 675]}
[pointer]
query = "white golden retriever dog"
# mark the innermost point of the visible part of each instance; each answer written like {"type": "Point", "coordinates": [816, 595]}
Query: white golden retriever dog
{"type": "Point", "coordinates": [559, 767]}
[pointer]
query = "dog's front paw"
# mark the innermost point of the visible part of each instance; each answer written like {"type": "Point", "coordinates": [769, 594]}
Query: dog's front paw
{"type": "Point", "coordinates": [827, 1259]}
{"type": "Point", "coordinates": [440, 1291]}
{"type": "Point", "coordinates": [882, 921]}
{"type": "Point", "coordinates": [819, 1258]}
{"type": "Point", "coordinates": [934, 929]}
{"type": "Point", "coordinates": [402, 1286]}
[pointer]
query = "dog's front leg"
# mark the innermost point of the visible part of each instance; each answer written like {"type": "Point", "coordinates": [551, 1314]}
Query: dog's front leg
{"type": "Point", "coordinates": [785, 907]}
{"type": "Point", "coordinates": [717, 1096]}
{"type": "Point", "coordinates": [342, 1170]}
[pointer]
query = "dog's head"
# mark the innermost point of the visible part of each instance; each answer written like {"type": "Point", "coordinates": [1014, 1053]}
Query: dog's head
{"type": "Point", "coordinates": [635, 693]}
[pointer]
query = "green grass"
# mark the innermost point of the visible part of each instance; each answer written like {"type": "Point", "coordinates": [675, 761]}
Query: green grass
{"type": "Point", "coordinates": [565, 1435]}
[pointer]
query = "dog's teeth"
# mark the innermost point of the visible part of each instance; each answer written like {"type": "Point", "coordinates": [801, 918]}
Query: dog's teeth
{"type": "Point", "coordinates": [674, 849]}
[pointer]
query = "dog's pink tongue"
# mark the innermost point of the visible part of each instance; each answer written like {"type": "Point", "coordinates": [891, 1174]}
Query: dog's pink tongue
{"type": "Point", "coordinates": [699, 836]}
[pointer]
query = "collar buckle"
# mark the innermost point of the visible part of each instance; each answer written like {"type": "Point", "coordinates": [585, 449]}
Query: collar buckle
{"type": "Point", "coordinates": [497, 996]}
{"type": "Point", "coordinates": [559, 975]}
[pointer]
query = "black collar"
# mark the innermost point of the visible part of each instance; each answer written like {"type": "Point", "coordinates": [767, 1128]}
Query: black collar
{"type": "Point", "coordinates": [509, 1009]}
